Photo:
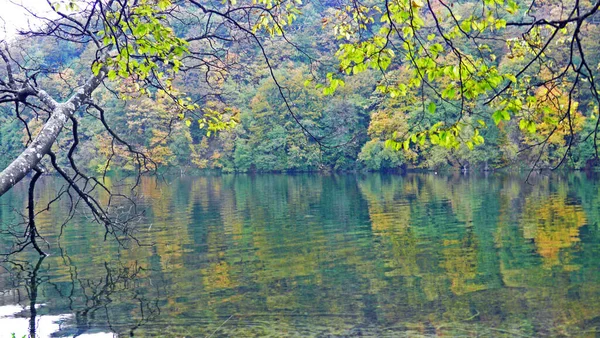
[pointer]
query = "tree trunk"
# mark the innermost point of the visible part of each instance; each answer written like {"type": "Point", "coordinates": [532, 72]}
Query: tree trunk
{"type": "Point", "coordinates": [61, 113]}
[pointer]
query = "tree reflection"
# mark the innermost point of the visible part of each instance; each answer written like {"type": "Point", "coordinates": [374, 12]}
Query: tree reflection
{"type": "Point", "coordinates": [341, 255]}
{"type": "Point", "coordinates": [32, 290]}
{"type": "Point", "coordinates": [82, 305]}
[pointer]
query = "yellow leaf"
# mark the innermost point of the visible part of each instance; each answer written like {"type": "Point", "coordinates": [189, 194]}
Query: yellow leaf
{"type": "Point", "coordinates": [416, 3]}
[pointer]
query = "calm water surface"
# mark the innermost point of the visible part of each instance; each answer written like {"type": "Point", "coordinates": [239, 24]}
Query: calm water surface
{"type": "Point", "coordinates": [317, 255]}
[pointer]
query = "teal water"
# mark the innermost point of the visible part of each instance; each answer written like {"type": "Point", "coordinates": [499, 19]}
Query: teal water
{"type": "Point", "coordinates": [318, 255]}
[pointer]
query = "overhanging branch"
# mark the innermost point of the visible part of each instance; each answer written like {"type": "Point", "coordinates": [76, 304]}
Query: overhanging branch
{"type": "Point", "coordinates": [61, 113]}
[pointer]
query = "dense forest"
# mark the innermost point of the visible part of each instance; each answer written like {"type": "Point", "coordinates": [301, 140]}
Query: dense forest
{"type": "Point", "coordinates": [300, 125]}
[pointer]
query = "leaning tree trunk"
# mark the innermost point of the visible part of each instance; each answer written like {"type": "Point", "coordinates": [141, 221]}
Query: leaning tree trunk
{"type": "Point", "coordinates": [36, 150]}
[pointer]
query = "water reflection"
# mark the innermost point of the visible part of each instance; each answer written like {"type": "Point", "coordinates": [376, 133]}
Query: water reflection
{"type": "Point", "coordinates": [43, 326]}
{"type": "Point", "coordinates": [48, 302]}
{"type": "Point", "coordinates": [314, 255]}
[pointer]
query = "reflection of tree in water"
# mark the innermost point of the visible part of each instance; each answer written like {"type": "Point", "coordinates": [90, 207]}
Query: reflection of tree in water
{"type": "Point", "coordinates": [382, 255]}
{"type": "Point", "coordinates": [37, 215]}
{"type": "Point", "coordinates": [553, 223]}
{"type": "Point", "coordinates": [113, 299]}
{"type": "Point", "coordinates": [30, 280]}
{"type": "Point", "coordinates": [461, 251]}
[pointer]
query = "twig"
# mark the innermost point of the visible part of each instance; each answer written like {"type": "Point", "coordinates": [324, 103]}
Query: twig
{"type": "Point", "coordinates": [220, 326]}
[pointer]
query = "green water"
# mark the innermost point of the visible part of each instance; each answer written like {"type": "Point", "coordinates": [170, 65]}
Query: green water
{"type": "Point", "coordinates": [319, 255]}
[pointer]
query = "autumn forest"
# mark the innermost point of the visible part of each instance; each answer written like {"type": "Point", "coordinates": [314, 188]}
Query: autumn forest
{"type": "Point", "coordinates": [306, 122]}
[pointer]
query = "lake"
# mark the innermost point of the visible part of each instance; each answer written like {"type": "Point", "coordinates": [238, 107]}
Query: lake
{"type": "Point", "coordinates": [316, 255]}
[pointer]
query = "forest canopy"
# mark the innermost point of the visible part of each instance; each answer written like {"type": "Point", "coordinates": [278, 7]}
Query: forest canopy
{"type": "Point", "coordinates": [317, 85]}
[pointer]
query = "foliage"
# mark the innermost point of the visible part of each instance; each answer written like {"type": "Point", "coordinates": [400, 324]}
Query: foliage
{"type": "Point", "coordinates": [380, 85]}
{"type": "Point", "coordinates": [473, 62]}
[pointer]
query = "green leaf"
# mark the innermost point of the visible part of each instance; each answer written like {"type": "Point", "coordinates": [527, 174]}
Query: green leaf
{"type": "Point", "coordinates": [431, 108]}
{"type": "Point", "coordinates": [500, 23]}
{"type": "Point", "coordinates": [511, 77]}
{"type": "Point", "coordinates": [497, 116]}
{"type": "Point", "coordinates": [163, 4]}
{"type": "Point", "coordinates": [466, 25]}
{"type": "Point", "coordinates": [527, 125]}
{"type": "Point", "coordinates": [111, 74]}
{"type": "Point", "coordinates": [513, 7]}
{"type": "Point", "coordinates": [449, 93]}
{"type": "Point", "coordinates": [96, 66]}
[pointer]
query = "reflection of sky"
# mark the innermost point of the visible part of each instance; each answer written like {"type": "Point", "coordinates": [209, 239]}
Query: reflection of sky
{"type": "Point", "coordinates": [45, 325]}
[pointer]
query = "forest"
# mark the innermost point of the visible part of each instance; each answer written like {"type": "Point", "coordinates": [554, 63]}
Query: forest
{"type": "Point", "coordinates": [333, 107]}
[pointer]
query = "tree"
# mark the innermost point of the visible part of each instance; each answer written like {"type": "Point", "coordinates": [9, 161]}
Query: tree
{"type": "Point", "coordinates": [131, 49]}
{"type": "Point", "coordinates": [474, 62]}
